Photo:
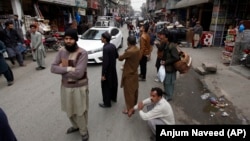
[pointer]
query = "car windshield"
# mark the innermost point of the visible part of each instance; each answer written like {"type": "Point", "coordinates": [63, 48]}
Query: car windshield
{"type": "Point", "coordinates": [93, 34]}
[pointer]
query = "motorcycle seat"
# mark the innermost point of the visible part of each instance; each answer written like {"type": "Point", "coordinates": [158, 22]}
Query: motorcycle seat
{"type": "Point", "coordinates": [51, 39]}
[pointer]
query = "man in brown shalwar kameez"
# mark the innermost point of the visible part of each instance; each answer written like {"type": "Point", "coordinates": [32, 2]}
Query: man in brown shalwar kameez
{"type": "Point", "coordinates": [129, 80]}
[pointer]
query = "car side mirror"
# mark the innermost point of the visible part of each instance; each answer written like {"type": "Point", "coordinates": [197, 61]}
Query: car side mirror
{"type": "Point", "coordinates": [113, 37]}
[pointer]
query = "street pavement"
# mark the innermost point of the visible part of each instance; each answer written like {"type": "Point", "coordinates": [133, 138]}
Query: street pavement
{"type": "Point", "coordinates": [32, 104]}
{"type": "Point", "coordinates": [233, 85]}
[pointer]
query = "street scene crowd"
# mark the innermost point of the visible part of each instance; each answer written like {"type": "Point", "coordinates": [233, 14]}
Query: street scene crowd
{"type": "Point", "coordinates": [71, 62]}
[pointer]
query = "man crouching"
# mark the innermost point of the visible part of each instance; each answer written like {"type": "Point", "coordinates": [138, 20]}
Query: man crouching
{"type": "Point", "coordinates": [159, 111]}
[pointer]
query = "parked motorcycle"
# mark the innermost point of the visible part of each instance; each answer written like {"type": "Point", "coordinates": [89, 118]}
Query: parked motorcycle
{"type": "Point", "coordinates": [28, 47]}
{"type": "Point", "coordinates": [53, 40]}
{"type": "Point", "coordinates": [23, 49]}
{"type": "Point", "coordinates": [132, 32]}
{"type": "Point", "coordinates": [245, 60]}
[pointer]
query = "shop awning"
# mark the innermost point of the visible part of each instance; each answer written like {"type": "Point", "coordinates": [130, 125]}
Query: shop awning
{"type": "Point", "coordinates": [82, 3]}
{"type": "Point", "coordinates": [187, 3]}
{"type": "Point", "coordinates": [160, 11]}
{"type": "Point", "coordinates": [62, 2]}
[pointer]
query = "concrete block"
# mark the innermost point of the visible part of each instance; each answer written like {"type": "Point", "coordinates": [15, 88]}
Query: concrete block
{"type": "Point", "coordinates": [200, 70]}
{"type": "Point", "coordinates": [209, 67]}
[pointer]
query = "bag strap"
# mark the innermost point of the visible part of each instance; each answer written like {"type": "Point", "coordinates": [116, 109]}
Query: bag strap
{"type": "Point", "coordinates": [178, 48]}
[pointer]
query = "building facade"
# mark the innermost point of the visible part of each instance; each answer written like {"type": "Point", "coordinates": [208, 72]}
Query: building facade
{"type": "Point", "coordinates": [215, 15]}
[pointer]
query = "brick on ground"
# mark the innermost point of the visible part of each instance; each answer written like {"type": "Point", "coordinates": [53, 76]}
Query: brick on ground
{"type": "Point", "coordinates": [209, 67]}
{"type": "Point", "coordinates": [200, 70]}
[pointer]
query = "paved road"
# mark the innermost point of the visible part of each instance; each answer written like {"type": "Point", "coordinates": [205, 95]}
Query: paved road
{"type": "Point", "coordinates": [33, 105]}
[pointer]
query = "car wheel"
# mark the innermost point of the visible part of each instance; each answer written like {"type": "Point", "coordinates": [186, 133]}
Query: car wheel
{"type": "Point", "coordinates": [121, 45]}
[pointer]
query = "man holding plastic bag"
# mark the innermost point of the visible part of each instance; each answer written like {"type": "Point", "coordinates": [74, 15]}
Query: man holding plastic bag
{"type": "Point", "coordinates": [161, 73]}
{"type": "Point", "coordinates": [170, 56]}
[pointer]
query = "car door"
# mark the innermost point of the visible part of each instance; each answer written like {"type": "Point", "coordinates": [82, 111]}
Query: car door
{"type": "Point", "coordinates": [182, 31]}
{"type": "Point", "coordinates": [115, 33]}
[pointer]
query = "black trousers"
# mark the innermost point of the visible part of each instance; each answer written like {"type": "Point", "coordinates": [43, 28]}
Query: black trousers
{"type": "Point", "coordinates": [6, 133]}
{"type": "Point", "coordinates": [143, 67]}
{"type": "Point", "coordinates": [158, 64]}
{"type": "Point", "coordinates": [8, 75]}
{"type": "Point", "coordinates": [108, 92]}
{"type": "Point", "coordinates": [14, 53]}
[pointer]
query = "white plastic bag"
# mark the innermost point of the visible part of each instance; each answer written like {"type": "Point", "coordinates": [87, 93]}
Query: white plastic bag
{"type": "Point", "coordinates": [5, 54]}
{"type": "Point", "coordinates": [161, 73]}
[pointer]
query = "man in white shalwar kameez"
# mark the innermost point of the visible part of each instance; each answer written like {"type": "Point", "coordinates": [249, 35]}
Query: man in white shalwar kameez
{"type": "Point", "coordinates": [37, 47]}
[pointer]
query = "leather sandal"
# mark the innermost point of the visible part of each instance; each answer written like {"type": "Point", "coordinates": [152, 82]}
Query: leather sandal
{"type": "Point", "coordinates": [125, 111]}
{"type": "Point", "coordinates": [71, 130]}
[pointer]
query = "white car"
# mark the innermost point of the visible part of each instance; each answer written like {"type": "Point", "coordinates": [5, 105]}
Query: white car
{"type": "Point", "coordinates": [161, 24]}
{"type": "Point", "coordinates": [91, 41]}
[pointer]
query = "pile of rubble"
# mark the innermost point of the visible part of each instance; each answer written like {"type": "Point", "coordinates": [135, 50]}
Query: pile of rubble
{"type": "Point", "coordinates": [218, 103]}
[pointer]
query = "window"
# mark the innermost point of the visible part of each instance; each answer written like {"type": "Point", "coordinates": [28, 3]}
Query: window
{"type": "Point", "coordinates": [93, 34]}
{"type": "Point", "coordinates": [114, 32]}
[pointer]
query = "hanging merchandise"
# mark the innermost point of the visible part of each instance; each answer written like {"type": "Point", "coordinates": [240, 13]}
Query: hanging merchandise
{"type": "Point", "coordinates": [242, 27]}
{"type": "Point", "coordinates": [229, 45]}
{"type": "Point", "coordinates": [70, 18]}
{"type": "Point", "coordinates": [78, 17]}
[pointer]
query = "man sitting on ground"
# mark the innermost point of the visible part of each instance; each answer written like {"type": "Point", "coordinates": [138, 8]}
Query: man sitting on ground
{"type": "Point", "coordinates": [159, 110]}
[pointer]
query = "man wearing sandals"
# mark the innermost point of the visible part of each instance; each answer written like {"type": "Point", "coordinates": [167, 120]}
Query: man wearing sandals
{"type": "Point", "coordinates": [71, 63]}
{"type": "Point", "coordinates": [159, 111]}
{"type": "Point", "coordinates": [129, 80]}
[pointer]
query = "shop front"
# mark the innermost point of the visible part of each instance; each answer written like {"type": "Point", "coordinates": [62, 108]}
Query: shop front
{"type": "Point", "coordinates": [5, 12]}
{"type": "Point", "coordinates": [58, 12]}
{"type": "Point", "coordinates": [10, 7]}
{"type": "Point", "coordinates": [81, 10]}
{"type": "Point", "coordinates": [93, 11]}
{"type": "Point", "coordinates": [160, 14]}
{"type": "Point", "coordinates": [226, 14]}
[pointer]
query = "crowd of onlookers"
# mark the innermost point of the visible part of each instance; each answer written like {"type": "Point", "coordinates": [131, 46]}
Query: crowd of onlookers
{"type": "Point", "coordinates": [71, 64]}
{"type": "Point", "coordinates": [11, 44]}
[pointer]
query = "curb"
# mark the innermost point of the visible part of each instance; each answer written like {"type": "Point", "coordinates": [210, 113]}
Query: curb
{"type": "Point", "coordinates": [241, 70]}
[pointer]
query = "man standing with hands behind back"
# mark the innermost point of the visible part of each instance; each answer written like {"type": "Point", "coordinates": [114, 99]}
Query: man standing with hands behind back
{"type": "Point", "coordinates": [109, 81]}
{"type": "Point", "coordinates": [71, 62]}
{"type": "Point", "coordinates": [129, 80]}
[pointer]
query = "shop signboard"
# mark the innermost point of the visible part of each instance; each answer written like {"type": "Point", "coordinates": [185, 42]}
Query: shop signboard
{"type": "Point", "coordinates": [82, 11]}
{"type": "Point", "coordinates": [151, 5]}
{"type": "Point", "coordinates": [81, 3]}
{"type": "Point", "coordinates": [94, 4]}
{"type": "Point", "coordinates": [62, 2]}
